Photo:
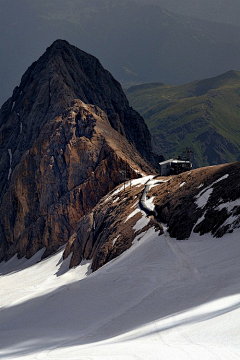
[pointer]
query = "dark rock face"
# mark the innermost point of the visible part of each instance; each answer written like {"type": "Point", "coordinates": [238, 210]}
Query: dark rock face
{"type": "Point", "coordinates": [58, 155]}
{"type": "Point", "coordinates": [180, 208]}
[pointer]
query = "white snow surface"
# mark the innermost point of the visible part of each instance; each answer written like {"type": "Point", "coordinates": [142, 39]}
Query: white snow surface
{"type": "Point", "coordinates": [149, 203]}
{"type": "Point", "coordinates": [115, 240]}
{"type": "Point", "coordinates": [230, 205]}
{"type": "Point", "coordinates": [142, 222]}
{"type": "Point", "coordinates": [133, 213]}
{"type": "Point", "coordinates": [135, 182]}
{"type": "Point", "coordinates": [162, 299]}
{"type": "Point", "coordinates": [203, 196]}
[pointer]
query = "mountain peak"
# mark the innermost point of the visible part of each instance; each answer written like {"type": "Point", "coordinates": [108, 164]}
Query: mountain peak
{"type": "Point", "coordinates": [59, 43]}
{"type": "Point", "coordinates": [66, 135]}
{"type": "Point", "coordinates": [64, 73]}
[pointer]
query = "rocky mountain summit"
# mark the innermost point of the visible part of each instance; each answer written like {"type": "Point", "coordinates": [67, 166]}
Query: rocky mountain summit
{"type": "Point", "coordinates": [67, 137]}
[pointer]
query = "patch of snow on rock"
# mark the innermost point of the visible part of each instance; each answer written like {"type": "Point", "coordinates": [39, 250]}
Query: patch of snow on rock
{"type": "Point", "coordinates": [229, 205]}
{"type": "Point", "coordinates": [115, 240]}
{"type": "Point", "coordinates": [149, 203]}
{"type": "Point", "coordinates": [135, 204]}
{"type": "Point", "coordinates": [230, 221]}
{"type": "Point", "coordinates": [135, 182]}
{"type": "Point", "coordinates": [132, 214]}
{"type": "Point", "coordinates": [141, 223]}
{"type": "Point", "coordinates": [203, 198]}
{"type": "Point", "coordinates": [200, 219]}
{"type": "Point", "coordinates": [222, 178]}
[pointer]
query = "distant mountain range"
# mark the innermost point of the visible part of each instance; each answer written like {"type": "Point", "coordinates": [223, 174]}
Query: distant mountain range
{"type": "Point", "coordinates": [137, 41]}
{"type": "Point", "coordinates": [226, 11]}
{"type": "Point", "coordinates": [203, 115]}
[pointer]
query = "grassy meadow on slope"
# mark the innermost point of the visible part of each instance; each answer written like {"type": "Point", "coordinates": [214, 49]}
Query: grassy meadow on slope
{"type": "Point", "coordinates": [204, 115]}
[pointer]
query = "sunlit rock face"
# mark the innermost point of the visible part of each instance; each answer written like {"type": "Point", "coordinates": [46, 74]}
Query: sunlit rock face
{"type": "Point", "coordinates": [65, 135]}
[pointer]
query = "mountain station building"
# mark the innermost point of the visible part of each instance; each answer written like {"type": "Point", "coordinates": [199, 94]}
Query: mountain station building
{"type": "Point", "coordinates": [174, 166]}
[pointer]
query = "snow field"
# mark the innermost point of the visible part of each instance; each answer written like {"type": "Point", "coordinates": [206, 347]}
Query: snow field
{"type": "Point", "coordinates": [150, 303]}
{"type": "Point", "coordinates": [162, 299]}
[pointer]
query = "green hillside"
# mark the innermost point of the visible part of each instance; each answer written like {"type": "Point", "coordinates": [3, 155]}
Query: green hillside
{"type": "Point", "coordinates": [204, 115]}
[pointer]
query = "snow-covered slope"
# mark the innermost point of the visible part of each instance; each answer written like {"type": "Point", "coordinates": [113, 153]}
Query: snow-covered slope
{"type": "Point", "coordinates": [161, 299]}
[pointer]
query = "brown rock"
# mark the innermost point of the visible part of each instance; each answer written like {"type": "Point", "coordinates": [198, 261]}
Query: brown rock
{"type": "Point", "coordinates": [58, 155]}
{"type": "Point", "coordinates": [176, 205]}
{"type": "Point", "coordinates": [107, 232]}
{"type": "Point", "coordinates": [74, 162]}
{"type": "Point", "coordinates": [104, 234]}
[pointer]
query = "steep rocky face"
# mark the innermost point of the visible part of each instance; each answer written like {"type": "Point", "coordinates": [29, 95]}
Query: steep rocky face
{"type": "Point", "coordinates": [59, 156]}
{"type": "Point", "coordinates": [77, 158]}
{"type": "Point", "coordinates": [62, 74]}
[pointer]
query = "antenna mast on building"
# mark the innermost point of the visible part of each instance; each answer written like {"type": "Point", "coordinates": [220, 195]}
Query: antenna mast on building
{"type": "Point", "coordinates": [187, 153]}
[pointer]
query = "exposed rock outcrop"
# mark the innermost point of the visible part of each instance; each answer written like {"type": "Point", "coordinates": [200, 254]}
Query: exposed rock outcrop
{"type": "Point", "coordinates": [59, 156]}
{"type": "Point", "coordinates": [110, 228]}
{"type": "Point", "coordinates": [198, 201]}
{"type": "Point", "coordinates": [205, 200]}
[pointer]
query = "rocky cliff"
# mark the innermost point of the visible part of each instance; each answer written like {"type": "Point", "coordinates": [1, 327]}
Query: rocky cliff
{"type": "Point", "coordinates": [67, 137]}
